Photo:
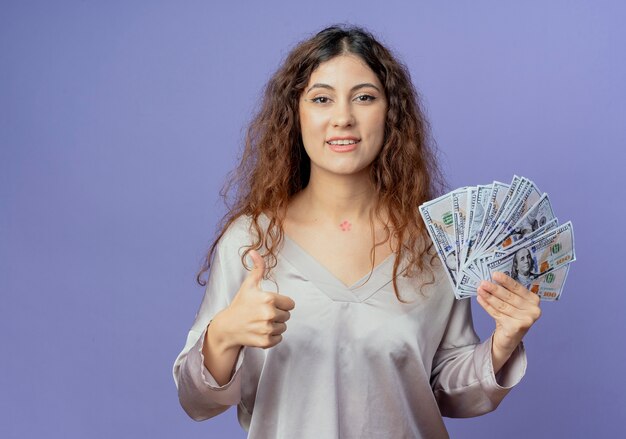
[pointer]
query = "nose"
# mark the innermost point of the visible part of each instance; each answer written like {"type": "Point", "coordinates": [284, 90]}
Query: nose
{"type": "Point", "coordinates": [343, 116]}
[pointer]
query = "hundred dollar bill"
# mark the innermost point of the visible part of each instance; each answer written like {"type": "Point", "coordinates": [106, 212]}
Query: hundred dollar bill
{"type": "Point", "coordinates": [463, 294]}
{"type": "Point", "coordinates": [549, 286]}
{"type": "Point", "coordinates": [459, 207]}
{"type": "Point", "coordinates": [480, 265]}
{"type": "Point", "coordinates": [477, 204]}
{"type": "Point", "coordinates": [517, 236]}
{"type": "Point", "coordinates": [496, 196]}
{"type": "Point", "coordinates": [538, 216]}
{"type": "Point", "coordinates": [473, 270]}
{"type": "Point", "coordinates": [500, 251]}
{"type": "Point", "coordinates": [519, 206]}
{"type": "Point", "coordinates": [467, 283]}
{"type": "Point", "coordinates": [492, 219]}
{"type": "Point", "coordinates": [513, 195]}
{"type": "Point", "coordinates": [438, 218]}
{"type": "Point", "coordinates": [472, 273]}
{"type": "Point", "coordinates": [477, 269]}
{"type": "Point", "coordinates": [478, 229]}
{"type": "Point", "coordinates": [545, 253]}
{"type": "Point", "coordinates": [470, 208]}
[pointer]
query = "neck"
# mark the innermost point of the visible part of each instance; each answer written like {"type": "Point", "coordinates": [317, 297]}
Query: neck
{"type": "Point", "coordinates": [337, 198]}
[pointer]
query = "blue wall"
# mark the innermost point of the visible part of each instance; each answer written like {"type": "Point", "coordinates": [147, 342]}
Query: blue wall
{"type": "Point", "coordinates": [119, 121]}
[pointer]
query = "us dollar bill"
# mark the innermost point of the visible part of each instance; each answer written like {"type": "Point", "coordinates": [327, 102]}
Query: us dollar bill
{"type": "Point", "coordinates": [459, 208]}
{"type": "Point", "coordinates": [496, 197]}
{"type": "Point", "coordinates": [546, 253]}
{"type": "Point", "coordinates": [549, 286]}
{"type": "Point", "coordinates": [527, 196]}
{"type": "Point", "coordinates": [479, 229]}
{"type": "Point", "coordinates": [478, 201]}
{"type": "Point", "coordinates": [438, 218]}
{"type": "Point", "coordinates": [501, 207]}
{"type": "Point", "coordinates": [536, 218]}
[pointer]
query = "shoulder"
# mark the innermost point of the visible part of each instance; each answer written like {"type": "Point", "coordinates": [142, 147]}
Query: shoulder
{"type": "Point", "coordinates": [236, 235]}
{"type": "Point", "coordinates": [241, 233]}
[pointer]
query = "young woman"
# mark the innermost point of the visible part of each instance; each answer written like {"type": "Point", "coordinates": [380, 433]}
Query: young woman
{"type": "Point", "coordinates": [345, 326]}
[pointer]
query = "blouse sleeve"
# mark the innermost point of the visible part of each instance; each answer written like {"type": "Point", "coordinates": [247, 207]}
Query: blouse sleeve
{"type": "Point", "coordinates": [462, 378]}
{"type": "Point", "coordinates": [199, 393]}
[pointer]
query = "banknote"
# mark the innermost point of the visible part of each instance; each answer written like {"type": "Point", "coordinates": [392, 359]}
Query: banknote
{"type": "Point", "coordinates": [505, 203]}
{"type": "Point", "coordinates": [497, 196]}
{"type": "Point", "coordinates": [549, 286]}
{"type": "Point", "coordinates": [480, 264]}
{"type": "Point", "coordinates": [474, 217]}
{"type": "Point", "coordinates": [518, 206]}
{"type": "Point", "coordinates": [536, 218]}
{"type": "Point", "coordinates": [438, 218]}
{"type": "Point", "coordinates": [501, 207]}
{"type": "Point", "coordinates": [477, 230]}
{"type": "Point", "coordinates": [545, 253]}
{"type": "Point", "coordinates": [459, 207]}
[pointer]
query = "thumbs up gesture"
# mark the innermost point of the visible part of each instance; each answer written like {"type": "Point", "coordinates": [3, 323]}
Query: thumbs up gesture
{"type": "Point", "coordinates": [254, 317]}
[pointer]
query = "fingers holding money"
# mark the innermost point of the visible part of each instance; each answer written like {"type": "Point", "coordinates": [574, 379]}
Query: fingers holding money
{"type": "Point", "coordinates": [528, 299]}
{"type": "Point", "coordinates": [501, 302]}
{"type": "Point", "coordinates": [509, 296]}
{"type": "Point", "coordinates": [514, 309]}
{"type": "Point", "coordinates": [512, 228]}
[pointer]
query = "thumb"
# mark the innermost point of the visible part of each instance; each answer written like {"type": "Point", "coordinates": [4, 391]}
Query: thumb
{"type": "Point", "coordinates": [256, 274]}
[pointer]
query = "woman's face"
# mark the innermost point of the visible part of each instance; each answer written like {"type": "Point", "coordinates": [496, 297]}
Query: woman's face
{"type": "Point", "coordinates": [342, 116]}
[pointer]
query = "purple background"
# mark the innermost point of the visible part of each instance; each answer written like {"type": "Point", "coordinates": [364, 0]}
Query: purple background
{"type": "Point", "coordinates": [119, 121]}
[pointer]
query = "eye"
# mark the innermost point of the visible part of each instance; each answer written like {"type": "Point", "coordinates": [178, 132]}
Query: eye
{"type": "Point", "coordinates": [320, 100]}
{"type": "Point", "coordinates": [365, 98]}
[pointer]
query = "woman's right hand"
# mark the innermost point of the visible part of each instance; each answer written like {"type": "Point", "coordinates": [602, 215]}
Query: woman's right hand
{"type": "Point", "coordinates": [255, 317]}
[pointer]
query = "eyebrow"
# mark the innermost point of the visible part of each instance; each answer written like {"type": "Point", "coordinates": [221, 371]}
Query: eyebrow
{"type": "Point", "coordinates": [356, 87]}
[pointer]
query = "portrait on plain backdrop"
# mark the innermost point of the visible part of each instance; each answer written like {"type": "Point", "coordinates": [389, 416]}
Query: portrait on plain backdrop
{"type": "Point", "coordinates": [363, 333]}
{"type": "Point", "coordinates": [311, 220]}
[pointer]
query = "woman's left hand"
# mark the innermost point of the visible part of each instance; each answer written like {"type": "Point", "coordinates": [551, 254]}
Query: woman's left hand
{"type": "Point", "coordinates": [515, 310]}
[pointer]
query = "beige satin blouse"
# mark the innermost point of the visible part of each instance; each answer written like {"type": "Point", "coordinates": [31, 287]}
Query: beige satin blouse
{"type": "Point", "coordinates": [354, 362]}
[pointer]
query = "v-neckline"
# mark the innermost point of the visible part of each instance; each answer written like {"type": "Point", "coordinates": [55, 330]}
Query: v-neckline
{"type": "Point", "coordinates": [330, 284]}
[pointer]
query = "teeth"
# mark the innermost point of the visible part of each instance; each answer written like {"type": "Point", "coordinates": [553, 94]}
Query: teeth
{"type": "Point", "coordinates": [342, 142]}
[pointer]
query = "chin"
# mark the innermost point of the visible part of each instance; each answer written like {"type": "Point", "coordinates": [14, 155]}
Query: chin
{"type": "Point", "coordinates": [340, 168]}
{"type": "Point", "coordinates": [350, 171]}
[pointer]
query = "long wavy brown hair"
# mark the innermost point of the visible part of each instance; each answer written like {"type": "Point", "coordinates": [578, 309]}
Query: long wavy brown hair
{"type": "Point", "coordinates": [405, 173]}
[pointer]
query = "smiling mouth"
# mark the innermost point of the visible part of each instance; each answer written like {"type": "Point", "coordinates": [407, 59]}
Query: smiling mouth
{"type": "Point", "coordinates": [342, 142]}
{"type": "Point", "coordinates": [342, 147]}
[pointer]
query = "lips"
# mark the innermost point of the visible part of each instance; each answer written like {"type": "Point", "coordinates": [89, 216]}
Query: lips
{"type": "Point", "coordinates": [343, 140]}
{"type": "Point", "coordinates": [342, 148]}
{"type": "Point", "coordinates": [342, 143]}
